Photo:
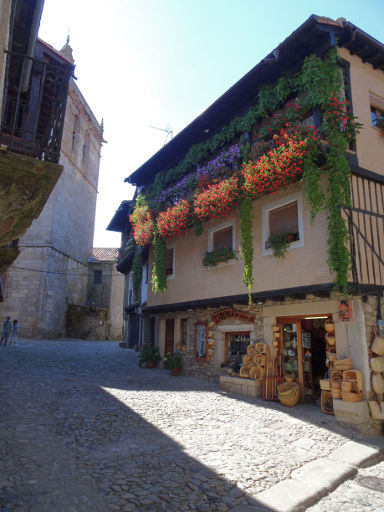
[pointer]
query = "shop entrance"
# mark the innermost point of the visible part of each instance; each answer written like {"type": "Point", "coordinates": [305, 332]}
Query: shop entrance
{"type": "Point", "coordinates": [302, 352]}
{"type": "Point", "coordinates": [236, 345]}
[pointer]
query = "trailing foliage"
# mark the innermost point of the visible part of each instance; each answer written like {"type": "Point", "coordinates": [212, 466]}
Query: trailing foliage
{"type": "Point", "coordinates": [213, 258]}
{"type": "Point", "coordinates": [280, 153]}
{"type": "Point", "coordinates": [159, 270]}
{"type": "Point", "coordinates": [279, 244]}
{"type": "Point", "coordinates": [137, 275]}
{"type": "Point", "coordinates": [246, 244]}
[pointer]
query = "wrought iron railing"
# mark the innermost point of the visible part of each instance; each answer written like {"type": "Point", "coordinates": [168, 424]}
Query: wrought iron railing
{"type": "Point", "coordinates": [35, 96]}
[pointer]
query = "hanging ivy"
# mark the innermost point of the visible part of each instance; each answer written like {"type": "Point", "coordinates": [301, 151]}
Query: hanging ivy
{"type": "Point", "coordinates": [325, 187]}
{"type": "Point", "coordinates": [159, 274]}
{"type": "Point", "coordinates": [137, 275]}
{"type": "Point", "coordinates": [246, 244]}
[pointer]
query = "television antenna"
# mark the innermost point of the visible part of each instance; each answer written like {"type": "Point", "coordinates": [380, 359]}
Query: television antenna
{"type": "Point", "coordinates": [168, 130]}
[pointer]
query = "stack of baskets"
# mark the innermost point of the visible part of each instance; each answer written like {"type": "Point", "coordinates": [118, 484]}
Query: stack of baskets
{"type": "Point", "coordinates": [343, 384]}
{"type": "Point", "coordinates": [377, 366]}
{"type": "Point", "coordinates": [255, 362]}
{"type": "Point", "coordinates": [288, 393]}
{"type": "Point", "coordinates": [331, 341]}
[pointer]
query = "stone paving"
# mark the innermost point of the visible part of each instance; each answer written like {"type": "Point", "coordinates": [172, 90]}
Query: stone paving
{"type": "Point", "coordinates": [84, 429]}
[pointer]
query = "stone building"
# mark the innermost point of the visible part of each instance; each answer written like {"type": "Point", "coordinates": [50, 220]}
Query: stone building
{"type": "Point", "coordinates": [277, 167]}
{"type": "Point", "coordinates": [52, 268]}
{"type": "Point", "coordinates": [106, 288]}
{"type": "Point", "coordinates": [34, 82]}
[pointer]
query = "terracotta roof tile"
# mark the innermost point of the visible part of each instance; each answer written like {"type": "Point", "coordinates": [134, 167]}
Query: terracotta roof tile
{"type": "Point", "coordinates": [103, 254]}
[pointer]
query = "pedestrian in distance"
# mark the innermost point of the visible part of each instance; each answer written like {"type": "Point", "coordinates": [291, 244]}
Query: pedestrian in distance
{"type": "Point", "coordinates": [5, 333]}
{"type": "Point", "coordinates": [14, 333]}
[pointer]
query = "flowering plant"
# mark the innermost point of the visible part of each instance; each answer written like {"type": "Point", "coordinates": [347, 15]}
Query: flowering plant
{"type": "Point", "coordinates": [143, 225]}
{"type": "Point", "coordinates": [281, 165]}
{"type": "Point", "coordinates": [218, 200]}
{"type": "Point", "coordinates": [212, 258]}
{"type": "Point", "coordinates": [174, 220]}
{"type": "Point", "coordinates": [222, 166]}
{"type": "Point", "coordinates": [380, 124]}
{"type": "Point", "coordinates": [338, 117]}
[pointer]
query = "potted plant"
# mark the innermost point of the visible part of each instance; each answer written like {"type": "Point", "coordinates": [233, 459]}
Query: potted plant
{"type": "Point", "coordinates": [149, 355]}
{"type": "Point", "coordinates": [278, 243]}
{"type": "Point", "coordinates": [173, 362]}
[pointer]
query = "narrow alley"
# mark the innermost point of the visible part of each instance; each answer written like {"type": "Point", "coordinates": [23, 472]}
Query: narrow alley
{"type": "Point", "coordinates": [84, 429]}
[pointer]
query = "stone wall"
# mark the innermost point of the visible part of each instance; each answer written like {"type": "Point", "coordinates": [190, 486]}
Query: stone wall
{"type": "Point", "coordinates": [39, 298]}
{"type": "Point", "coordinates": [87, 322]}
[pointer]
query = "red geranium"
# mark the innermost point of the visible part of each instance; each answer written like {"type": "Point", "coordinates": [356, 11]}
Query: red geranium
{"type": "Point", "coordinates": [143, 225]}
{"type": "Point", "coordinates": [281, 165]}
{"type": "Point", "coordinates": [218, 200]}
{"type": "Point", "coordinates": [174, 220]}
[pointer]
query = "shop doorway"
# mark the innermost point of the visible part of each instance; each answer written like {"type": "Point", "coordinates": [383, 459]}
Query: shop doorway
{"type": "Point", "coordinates": [169, 335]}
{"type": "Point", "coordinates": [302, 352]}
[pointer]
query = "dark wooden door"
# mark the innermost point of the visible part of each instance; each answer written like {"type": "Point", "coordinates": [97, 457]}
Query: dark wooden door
{"type": "Point", "coordinates": [169, 335]}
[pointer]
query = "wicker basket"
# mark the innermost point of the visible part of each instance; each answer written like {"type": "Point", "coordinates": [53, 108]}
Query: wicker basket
{"type": "Point", "coordinates": [325, 384]}
{"type": "Point", "coordinates": [291, 399]}
{"type": "Point", "coordinates": [378, 383]}
{"type": "Point", "coordinates": [343, 364]}
{"type": "Point", "coordinates": [335, 384]}
{"type": "Point", "coordinates": [336, 375]}
{"type": "Point", "coordinates": [329, 326]}
{"type": "Point", "coordinates": [346, 386]}
{"type": "Point", "coordinates": [275, 328]}
{"type": "Point", "coordinates": [377, 410]}
{"type": "Point", "coordinates": [287, 388]}
{"type": "Point", "coordinates": [351, 397]}
{"type": "Point", "coordinates": [289, 377]}
{"type": "Point", "coordinates": [251, 350]}
{"type": "Point", "coordinates": [327, 402]}
{"type": "Point", "coordinates": [330, 338]}
{"type": "Point", "coordinates": [378, 345]}
{"type": "Point", "coordinates": [336, 393]}
{"type": "Point", "coordinates": [332, 356]}
{"type": "Point", "coordinates": [247, 359]}
{"type": "Point", "coordinates": [377, 364]}
{"type": "Point", "coordinates": [356, 378]}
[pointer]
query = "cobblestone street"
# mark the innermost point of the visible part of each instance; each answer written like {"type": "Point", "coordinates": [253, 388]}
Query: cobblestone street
{"type": "Point", "coordinates": [84, 429]}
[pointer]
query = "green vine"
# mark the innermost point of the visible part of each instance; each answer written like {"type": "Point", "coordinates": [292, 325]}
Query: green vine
{"type": "Point", "coordinates": [246, 244]}
{"type": "Point", "coordinates": [325, 187]}
{"type": "Point", "coordinates": [159, 275]}
{"type": "Point", "coordinates": [137, 275]}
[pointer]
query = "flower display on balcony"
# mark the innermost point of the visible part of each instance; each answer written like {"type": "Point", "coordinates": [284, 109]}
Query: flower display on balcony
{"type": "Point", "coordinates": [218, 200]}
{"type": "Point", "coordinates": [174, 220]}
{"type": "Point", "coordinates": [280, 166]}
{"type": "Point", "coordinates": [143, 225]}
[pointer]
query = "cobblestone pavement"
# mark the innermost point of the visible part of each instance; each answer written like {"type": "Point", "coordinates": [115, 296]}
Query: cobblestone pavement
{"type": "Point", "coordinates": [85, 430]}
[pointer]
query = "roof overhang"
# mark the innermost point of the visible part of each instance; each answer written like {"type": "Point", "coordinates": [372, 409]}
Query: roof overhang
{"type": "Point", "coordinates": [315, 35]}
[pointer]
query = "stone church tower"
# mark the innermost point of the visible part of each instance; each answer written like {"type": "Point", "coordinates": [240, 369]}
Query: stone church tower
{"type": "Point", "coordinates": [51, 270]}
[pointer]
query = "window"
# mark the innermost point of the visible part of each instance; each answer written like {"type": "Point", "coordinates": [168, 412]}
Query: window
{"type": "Point", "coordinates": [377, 116]}
{"type": "Point", "coordinates": [201, 341]}
{"type": "Point", "coordinates": [284, 220]}
{"type": "Point", "coordinates": [170, 262]}
{"type": "Point", "coordinates": [75, 133]}
{"type": "Point", "coordinates": [97, 276]}
{"type": "Point", "coordinates": [222, 237]}
{"type": "Point", "coordinates": [85, 155]}
{"type": "Point", "coordinates": [283, 217]}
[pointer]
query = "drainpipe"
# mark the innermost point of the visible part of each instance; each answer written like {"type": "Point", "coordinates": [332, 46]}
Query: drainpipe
{"type": "Point", "coordinates": [34, 28]}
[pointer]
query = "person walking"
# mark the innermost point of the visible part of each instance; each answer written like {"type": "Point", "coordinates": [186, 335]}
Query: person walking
{"type": "Point", "coordinates": [14, 333]}
{"type": "Point", "coordinates": [6, 331]}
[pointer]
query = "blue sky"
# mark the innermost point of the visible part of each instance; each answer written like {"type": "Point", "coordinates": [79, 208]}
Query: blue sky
{"type": "Point", "coordinates": [154, 62]}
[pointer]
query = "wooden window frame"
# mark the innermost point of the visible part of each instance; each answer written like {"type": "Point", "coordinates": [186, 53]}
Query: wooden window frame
{"type": "Point", "coordinates": [201, 359]}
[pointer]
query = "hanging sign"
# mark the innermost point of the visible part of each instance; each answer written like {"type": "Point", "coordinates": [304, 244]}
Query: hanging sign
{"type": "Point", "coordinates": [345, 310]}
{"type": "Point", "coordinates": [225, 314]}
